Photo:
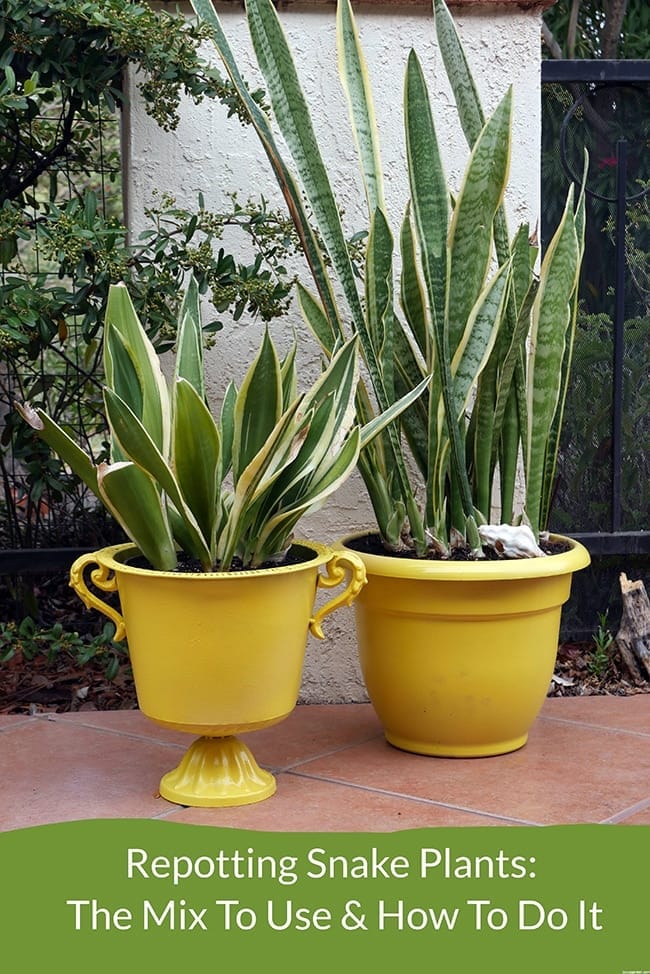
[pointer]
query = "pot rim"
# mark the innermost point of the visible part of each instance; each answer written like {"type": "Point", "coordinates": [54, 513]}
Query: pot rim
{"type": "Point", "coordinates": [114, 558]}
{"type": "Point", "coordinates": [386, 565]}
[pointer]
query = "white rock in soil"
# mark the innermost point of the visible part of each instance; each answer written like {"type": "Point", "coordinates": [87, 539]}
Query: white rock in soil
{"type": "Point", "coordinates": [509, 541]}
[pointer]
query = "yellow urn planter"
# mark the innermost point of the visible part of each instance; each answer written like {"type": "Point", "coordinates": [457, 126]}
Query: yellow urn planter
{"type": "Point", "coordinates": [457, 657]}
{"type": "Point", "coordinates": [217, 654]}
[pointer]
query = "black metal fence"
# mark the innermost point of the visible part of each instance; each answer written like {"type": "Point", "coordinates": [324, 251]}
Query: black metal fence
{"type": "Point", "coordinates": [603, 491]}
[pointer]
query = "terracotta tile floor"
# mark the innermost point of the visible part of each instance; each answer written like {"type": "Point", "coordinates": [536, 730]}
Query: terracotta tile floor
{"type": "Point", "coordinates": [587, 760]}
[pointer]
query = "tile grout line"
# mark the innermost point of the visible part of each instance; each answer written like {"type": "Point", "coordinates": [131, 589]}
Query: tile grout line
{"type": "Point", "coordinates": [288, 768]}
{"type": "Point", "coordinates": [598, 727]}
{"type": "Point", "coordinates": [414, 798]}
{"type": "Point", "coordinates": [114, 732]}
{"type": "Point", "coordinates": [26, 719]}
{"type": "Point", "coordinates": [627, 812]}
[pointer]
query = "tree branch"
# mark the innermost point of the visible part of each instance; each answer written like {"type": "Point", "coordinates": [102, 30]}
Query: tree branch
{"type": "Point", "coordinates": [549, 39]}
{"type": "Point", "coordinates": [611, 36]}
{"type": "Point", "coordinates": [572, 29]}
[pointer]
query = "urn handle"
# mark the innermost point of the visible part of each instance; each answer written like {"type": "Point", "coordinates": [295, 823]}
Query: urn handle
{"type": "Point", "coordinates": [337, 568]}
{"type": "Point", "coordinates": [102, 578]}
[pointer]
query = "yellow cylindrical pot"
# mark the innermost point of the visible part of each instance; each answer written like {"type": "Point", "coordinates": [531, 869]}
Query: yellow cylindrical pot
{"type": "Point", "coordinates": [217, 654]}
{"type": "Point", "coordinates": [457, 657]}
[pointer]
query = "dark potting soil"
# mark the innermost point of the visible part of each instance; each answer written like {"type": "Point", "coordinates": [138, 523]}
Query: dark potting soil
{"type": "Point", "coordinates": [296, 555]}
{"type": "Point", "coordinates": [371, 544]}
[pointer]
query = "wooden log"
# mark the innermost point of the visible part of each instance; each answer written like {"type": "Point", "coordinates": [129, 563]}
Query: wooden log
{"type": "Point", "coordinates": [633, 637]}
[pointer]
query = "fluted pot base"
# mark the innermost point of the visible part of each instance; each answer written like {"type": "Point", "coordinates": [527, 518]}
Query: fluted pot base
{"type": "Point", "coordinates": [217, 772]}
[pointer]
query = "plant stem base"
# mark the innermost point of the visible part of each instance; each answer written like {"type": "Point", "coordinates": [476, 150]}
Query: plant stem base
{"type": "Point", "coordinates": [217, 772]}
{"type": "Point", "coordinates": [457, 750]}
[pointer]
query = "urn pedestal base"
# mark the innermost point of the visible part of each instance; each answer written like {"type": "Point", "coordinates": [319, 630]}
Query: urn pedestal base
{"type": "Point", "coordinates": [217, 772]}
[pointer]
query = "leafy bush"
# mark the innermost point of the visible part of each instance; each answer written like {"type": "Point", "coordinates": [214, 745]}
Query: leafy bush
{"type": "Point", "coordinates": [29, 640]}
{"type": "Point", "coordinates": [63, 240]}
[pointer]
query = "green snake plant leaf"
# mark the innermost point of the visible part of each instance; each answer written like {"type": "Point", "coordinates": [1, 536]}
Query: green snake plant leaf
{"type": "Point", "coordinates": [479, 339]}
{"type": "Point", "coordinates": [410, 373]}
{"type": "Point", "coordinates": [59, 441]}
{"type": "Point", "coordinates": [154, 401]}
{"type": "Point", "coordinates": [498, 403]}
{"type": "Point", "coordinates": [470, 112]}
{"type": "Point", "coordinates": [511, 367]}
{"type": "Point", "coordinates": [411, 387]}
{"type": "Point", "coordinates": [412, 291]}
{"type": "Point", "coordinates": [316, 319]}
{"type": "Point", "coordinates": [550, 321]}
{"type": "Point", "coordinates": [553, 445]}
{"type": "Point", "coordinates": [374, 426]}
{"type": "Point", "coordinates": [468, 103]}
{"type": "Point", "coordinates": [276, 530]}
{"type": "Point", "coordinates": [303, 459]}
{"type": "Point", "coordinates": [258, 406]}
{"type": "Point", "coordinates": [354, 76]}
{"type": "Point", "coordinates": [290, 487]}
{"type": "Point", "coordinates": [227, 427]}
{"type": "Point", "coordinates": [293, 117]}
{"type": "Point", "coordinates": [524, 256]}
{"type": "Point", "coordinates": [413, 346]}
{"type": "Point", "coordinates": [470, 233]}
{"type": "Point", "coordinates": [139, 447]}
{"type": "Point", "coordinates": [134, 501]}
{"type": "Point", "coordinates": [337, 384]}
{"type": "Point", "coordinates": [429, 194]}
{"type": "Point", "coordinates": [321, 426]}
{"type": "Point", "coordinates": [268, 462]}
{"type": "Point", "coordinates": [196, 449]}
{"type": "Point", "coordinates": [189, 342]}
{"type": "Point", "coordinates": [286, 181]}
{"type": "Point", "coordinates": [310, 439]}
{"type": "Point", "coordinates": [379, 296]}
{"type": "Point", "coordinates": [182, 535]}
{"type": "Point", "coordinates": [489, 414]}
{"type": "Point", "coordinates": [125, 380]}
{"type": "Point", "coordinates": [331, 474]}
{"type": "Point", "coordinates": [511, 427]}
{"type": "Point", "coordinates": [495, 387]}
{"type": "Point", "coordinates": [430, 203]}
{"type": "Point", "coordinates": [325, 458]}
{"type": "Point", "coordinates": [289, 377]}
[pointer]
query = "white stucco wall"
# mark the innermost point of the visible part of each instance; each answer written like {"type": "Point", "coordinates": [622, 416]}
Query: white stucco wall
{"type": "Point", "coordinates": [212, 154]}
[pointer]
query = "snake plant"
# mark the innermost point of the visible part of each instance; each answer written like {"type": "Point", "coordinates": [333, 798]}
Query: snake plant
{"type": "Point", "coordinates": [466, 309]}
{"type": "Point", "coordinates": [226, 492]}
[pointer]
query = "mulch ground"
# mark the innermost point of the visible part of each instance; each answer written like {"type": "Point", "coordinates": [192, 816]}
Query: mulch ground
{"type": "Point", "coordinates": [61, 685]}
{"type": "Point", "coordinates": [573, 676]}
{"type": "Point", "coordinates": [56, 680]}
